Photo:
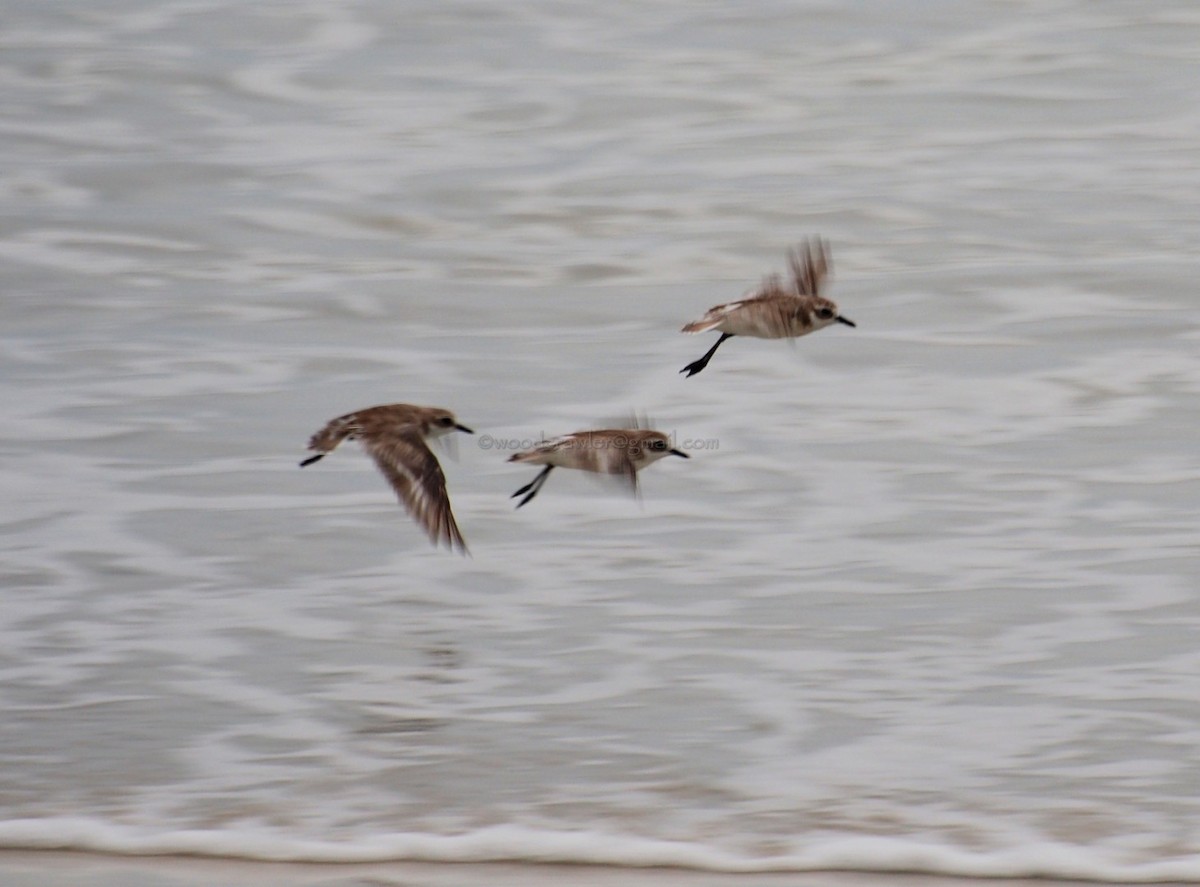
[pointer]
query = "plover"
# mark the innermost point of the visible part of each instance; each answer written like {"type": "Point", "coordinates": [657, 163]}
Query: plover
{"type": "Point", "coordinates": [394, 436]}
{"type": "Point", "coordinates": [615, 451]}
{"type": "Point", "coordinates": [773, 310]}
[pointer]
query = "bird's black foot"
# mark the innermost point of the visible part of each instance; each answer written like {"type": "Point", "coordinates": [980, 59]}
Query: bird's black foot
{"type": "Point", "coordinates": [533, 487]}
{"type": "Point", "coordinates": [697, 365]}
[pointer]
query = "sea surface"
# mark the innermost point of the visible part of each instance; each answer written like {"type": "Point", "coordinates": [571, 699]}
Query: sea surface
{"type": "Point", "coordinates": [925, 597]}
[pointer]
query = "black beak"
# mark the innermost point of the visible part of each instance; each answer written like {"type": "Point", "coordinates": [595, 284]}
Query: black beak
{"type": "Point", "coordinates": [679, 453]}
{"type": "Point", "coordinates": [844, 320]}
{"type": "Point", "coordinates": [464, 428]}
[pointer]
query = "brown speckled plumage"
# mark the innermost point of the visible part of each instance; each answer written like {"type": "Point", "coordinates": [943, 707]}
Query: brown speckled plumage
{"type": "Point", "coordinates": [613, 451]}
{"type": "Point", "coordinates": [775, 310]}
{"type": "Point", "coordinates": [394, 436]}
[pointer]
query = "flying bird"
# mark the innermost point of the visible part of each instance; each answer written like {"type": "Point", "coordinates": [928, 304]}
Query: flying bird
{"type": "Point", "coordinates": [613, 451]}
{"type": "Point", "coordinates": [775, 310]}
{"type": "Point", "coordinates": [394, 436]}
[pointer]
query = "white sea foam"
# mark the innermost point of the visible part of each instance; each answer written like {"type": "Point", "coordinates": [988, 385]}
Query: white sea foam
{"type": "Point", "coordinates": [509, 843]}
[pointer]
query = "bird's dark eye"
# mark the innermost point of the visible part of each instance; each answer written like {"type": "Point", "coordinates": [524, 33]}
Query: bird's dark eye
{"type": "Point", "coordinates": [824, 313]}
{"type": "Point", "coordinates": [445, 421]}
{"type": "Point", "coordinates": [658, 444]}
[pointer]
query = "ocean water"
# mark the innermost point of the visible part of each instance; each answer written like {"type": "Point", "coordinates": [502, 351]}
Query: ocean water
{"type": "Point", "coordinates": [926, 596]}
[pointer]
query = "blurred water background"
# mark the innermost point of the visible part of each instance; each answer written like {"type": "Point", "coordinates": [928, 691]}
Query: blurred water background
{"type": "Point", "coordinates": [924, 597]}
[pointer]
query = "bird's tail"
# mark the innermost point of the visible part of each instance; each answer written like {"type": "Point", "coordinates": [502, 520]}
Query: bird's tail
{"type": "Point", "coordinates": [327, 439]}
{"type": "Point", "coordinates": [527, 456]}
{"type": "Point", "coordinates": [699, 326]}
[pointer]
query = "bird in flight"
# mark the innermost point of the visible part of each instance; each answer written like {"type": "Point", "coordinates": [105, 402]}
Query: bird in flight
{"type": "Point", "coordinates": [775, 310]}
{"type": "Point", "coordinates": [395, 435]}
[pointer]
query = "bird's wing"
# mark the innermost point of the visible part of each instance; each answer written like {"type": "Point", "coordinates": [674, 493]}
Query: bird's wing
{"type": "Point", "coordinates": [625, 468]}
{"type": "Point", "coordinates": [810, 266]}
{"type": "Point", "coordinates": [414, 473]}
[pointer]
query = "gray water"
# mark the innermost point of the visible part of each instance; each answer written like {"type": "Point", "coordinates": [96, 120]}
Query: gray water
{"type": "Point", "coordinates": [925, 596]}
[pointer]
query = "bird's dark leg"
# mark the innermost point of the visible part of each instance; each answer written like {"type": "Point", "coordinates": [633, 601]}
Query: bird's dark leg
{"type": "Point", "coordinates": [535, 485]}
{"type": "Point", "coordinates": [696, 366]}
{"type": "Point", "coordinates": [529, 485]}
{"type": "Point", "coordinates": [311, 459]}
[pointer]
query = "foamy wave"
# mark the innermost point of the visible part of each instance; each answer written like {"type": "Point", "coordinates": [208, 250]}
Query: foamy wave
{"type": "Point", "coordinates": [517, 844]}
